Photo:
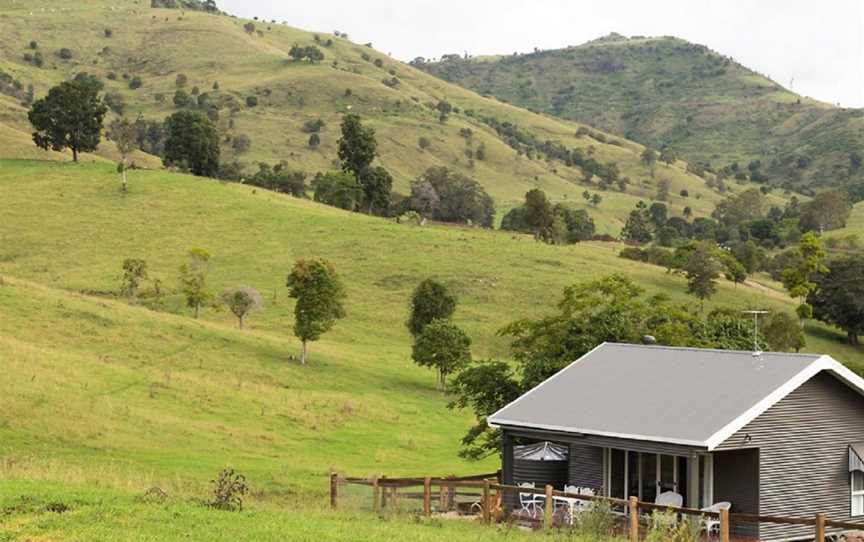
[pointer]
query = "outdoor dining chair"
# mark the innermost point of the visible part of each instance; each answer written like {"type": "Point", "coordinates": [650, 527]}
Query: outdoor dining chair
{"type": "Point", "coordinates": [529, 501]}
{"type": "Point", "coordinates": [712, 525]}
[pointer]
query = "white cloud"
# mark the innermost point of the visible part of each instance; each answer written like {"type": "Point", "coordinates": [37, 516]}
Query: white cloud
{"type": "Point", "coordinates": [819, 45]}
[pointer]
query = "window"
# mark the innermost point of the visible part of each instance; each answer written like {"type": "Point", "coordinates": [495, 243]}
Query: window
{"type": "Point", "coordinates": [857, 493]}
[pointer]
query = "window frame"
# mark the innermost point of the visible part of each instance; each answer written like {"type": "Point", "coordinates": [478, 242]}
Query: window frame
{"type": "Point", "coordinates": [856, 494]}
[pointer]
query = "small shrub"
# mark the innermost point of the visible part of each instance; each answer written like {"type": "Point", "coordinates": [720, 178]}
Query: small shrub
{"type": "Point", "coordinates": [379, 63]}
{"type": "Point", "coordinates": [348, 92]}
{"type": "Point", "coordinates": [424, 143]}
{"type": "Point", "coordinates": [215, 85]}
{"type": "Point", "coordinates": [313, 126]}
{"type": "Point", "coordinates": [134, 272]}
{"type": "Point", "coordinates": [314, 140]}
{"type": "Point", "coordinates": [365, 56]}
{"type": "Point", "coordinates": [196, 91]}
{"type": "Point", "coordinates": [596, 521]}
{"type": "Point", "coordinates": [135, 83]}
{"type": "Point", "coordinates": [251, 101]}
{"type": "Point", "coordinates": [34, 45]}
{"type": "Point", "coordinates": [112, 76]}
{"type": "Point", "coordinates": [65, 54]}
{"type": "Point", "coordinates": [228, 490]}
{"type": "Point", "coordinates": [412, 218]}
{"type": "Point", "coordinates": [241, 143]}
{"type": "Point", "coordinates": [109, 33]}
{"type": "Point", "coordinates": [181, 80]}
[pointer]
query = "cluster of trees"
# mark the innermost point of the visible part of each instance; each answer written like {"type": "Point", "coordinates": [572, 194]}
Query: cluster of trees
{"type": "Point", "coordinates": [309, 53]}
{"type": "Point", "coordinates": [449, 196]}
{"type": "Point", "coordinates": [193, 5]}
{"type": "Point", "coordinates": [314, 283]}
{"type": "Point", "coordinates": [738, 219]}
{"type": "Point", "coordinates": [610, 309]}
{"type": "Point", "coordinates": [438, 343]}
{"type": "Point", "coordinates": [553, 224]}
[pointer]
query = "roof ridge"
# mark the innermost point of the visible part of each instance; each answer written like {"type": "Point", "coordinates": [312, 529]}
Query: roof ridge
{"type": "Point", "coordinates": [725, 351]}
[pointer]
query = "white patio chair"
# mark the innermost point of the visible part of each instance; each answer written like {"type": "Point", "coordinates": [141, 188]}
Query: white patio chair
{"type": "Point", "coordinates": [529, 501]}
{"type": "Point", "coordinates": [712, 525]}
{"type": "Point", "coordinates": [670, 498]}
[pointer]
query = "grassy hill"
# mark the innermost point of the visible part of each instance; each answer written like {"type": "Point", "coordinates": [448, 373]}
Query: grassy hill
{"type": "Point", "coordinates": [157, 45]}
{"type": "Point", "coordinates": [103, 398]}
{"type": "Point", "coordinates": [666, 91]}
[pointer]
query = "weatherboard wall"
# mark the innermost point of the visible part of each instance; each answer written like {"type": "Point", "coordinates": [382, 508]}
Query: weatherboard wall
{"type": "Point", "coordinates": [803, 445]}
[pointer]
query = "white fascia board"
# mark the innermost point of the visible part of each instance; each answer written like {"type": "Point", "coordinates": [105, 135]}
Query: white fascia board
{"type": "Point", "coordinates": [824, 363]}
{"type": "Point", "coordinates": [577, 431]}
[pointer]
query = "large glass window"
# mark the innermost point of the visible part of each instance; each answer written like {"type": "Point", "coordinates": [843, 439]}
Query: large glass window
{"type": "Point", "coordinates": [857, 508]}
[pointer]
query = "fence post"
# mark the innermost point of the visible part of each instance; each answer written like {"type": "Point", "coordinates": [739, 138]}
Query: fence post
{"type": "Point", "coordinates": [724, 525]}
{"type": "Point", "coordinates": [334, 488]}
{"type": "Point", "coordinates": [634, 519]}
{"type": "Point", "coordinates": [427, 496]}
{"type": "Point", "coordinates": [487, 503]}
{"type": "Point", "coordinates": [376, 498]}
{"type": "Point", "coordinates": [548, 509]}
{"type": "Point", "coordinates": [820, 528]}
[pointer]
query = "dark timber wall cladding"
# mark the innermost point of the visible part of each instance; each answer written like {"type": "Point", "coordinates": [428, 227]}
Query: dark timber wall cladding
{"type": "Point", "coordinates": [736, 480]}
{"type": "Point", "coordinates": [586, 466]}
{"type": "Point", "coordinates": [803, 459]}
{"type": "Point", "coordinates": [541, 473]}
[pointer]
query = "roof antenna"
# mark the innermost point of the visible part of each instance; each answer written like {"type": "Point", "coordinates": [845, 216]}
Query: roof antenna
{"type": "Point", "coordinates": [756, 351]}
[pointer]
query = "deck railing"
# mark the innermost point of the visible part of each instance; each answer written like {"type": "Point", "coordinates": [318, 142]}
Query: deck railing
{"type": "Point", "coordinates": [482, 495]}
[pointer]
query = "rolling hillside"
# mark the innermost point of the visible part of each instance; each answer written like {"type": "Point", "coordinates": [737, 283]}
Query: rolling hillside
{"type": "Point", "coordinates": [157, 45]}
{"type": "Point", "coordinates": [103, 398]}
{"type": "Point", "coordinates": [666, 91]}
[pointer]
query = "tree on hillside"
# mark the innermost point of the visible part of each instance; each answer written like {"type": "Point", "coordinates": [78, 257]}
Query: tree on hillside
{"type": "Point", "coordinates": [357, 146]}
{"type": "Point", "coordinates": [649, 158]}
{"type": "Point", "coordinates": [702, 271]}
{"type": "Point", "coordinates": [249, 28]}
{"type": "Point", "coordinates": [667, 156]}
{"type": "Point", "coordinates": [192, 143]}
{"type": "Point", "coordinates": [596, 200]}
{"type": "Point", "coordinates": [69, 117]}
{"type": "Point", "coordinates": [241, 301]}
{"type": "Point", "coordinates": [134, 272]}
{"type": "Point", "coordinates": [338, 189]}
{"type": "Point", "coordinates": [538, 212]}
{"type": "Point", "coordinates": [193, 279]}
{"type": "Point", "coordinates": [828, 210]}
{"type": "Point", "coordinates": [430, 301]}
{"type": "Point", "coordinates": [838, 298]}
{"type": "Point", "coordinates": [126, 136]}
{"type": "Point", "coordinates": [377, 183]}
{"type": "Point", "coordinates": [449, 196]}
{"type": "Point", "coordinates": [783, 333]}
{"type": "Point", "coordinates": [637, 228]}
{"type": "Point", "coordinates": [662, 190]}
{"type": "Point", "coordinates": [743, 207]}
{"type": "Point", "coordinates": [319, 294]}
{"type": "Point", "coordinates": [444, 347]}
{"type": "Point", "coordinates": [798, 280]}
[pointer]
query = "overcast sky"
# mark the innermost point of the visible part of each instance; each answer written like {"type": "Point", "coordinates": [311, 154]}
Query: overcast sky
{"type": "Point", "coordinates": [814, 46]}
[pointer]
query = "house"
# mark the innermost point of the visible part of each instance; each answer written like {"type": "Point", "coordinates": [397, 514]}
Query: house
{"type": "Point", "coordinates": [772, 433]}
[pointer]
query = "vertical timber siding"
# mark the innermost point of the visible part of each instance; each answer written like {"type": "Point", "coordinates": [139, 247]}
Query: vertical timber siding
{"type": "Point", "coordinates": [803, 459]}
{"type": "Point", "coordinates": [586, 466]}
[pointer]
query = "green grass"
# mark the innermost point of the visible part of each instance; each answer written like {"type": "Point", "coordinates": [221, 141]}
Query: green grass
{"type": "Point", "coordinates": [105, 515]}
{"type": "Point", "coordinates": [102, 393]}
{"type": "Point", "coordinates": [158, 44]}
{"type": "Point", "coordinates": [666, 91]}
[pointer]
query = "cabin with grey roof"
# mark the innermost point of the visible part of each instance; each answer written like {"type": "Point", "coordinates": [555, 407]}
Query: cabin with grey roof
{"type": "Point", "coordinates": [771, 433]}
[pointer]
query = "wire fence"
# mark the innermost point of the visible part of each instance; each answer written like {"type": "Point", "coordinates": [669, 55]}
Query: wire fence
{"type": "Point", "coordinates": [484, 498]}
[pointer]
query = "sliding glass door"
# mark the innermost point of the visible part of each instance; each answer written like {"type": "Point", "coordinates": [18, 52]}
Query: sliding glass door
{"type": "Point", "coordinates": [646, 475]}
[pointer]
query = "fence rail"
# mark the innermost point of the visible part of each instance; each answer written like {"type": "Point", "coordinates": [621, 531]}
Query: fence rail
{"type": "Point", "coordinates": [489, 494]}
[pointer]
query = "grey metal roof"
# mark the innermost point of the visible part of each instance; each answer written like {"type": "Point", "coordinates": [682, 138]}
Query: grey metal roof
{"type": "Point", "coordinates": [664, 394]}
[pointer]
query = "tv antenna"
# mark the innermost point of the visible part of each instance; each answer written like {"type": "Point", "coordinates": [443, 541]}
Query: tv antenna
{"type": "Point", "coordinates": [756, 314]}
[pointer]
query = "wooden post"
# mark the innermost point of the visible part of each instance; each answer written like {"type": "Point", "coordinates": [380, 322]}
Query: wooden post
{"type": "Point", "coordinates": [724, 525]}
{"type": "Point", "coordinates": [376, 497]}
{"type": "Point", "coordinates": [487, 503]}
{"type": "Point", "coordinates": [820, 528]}
{"type": "Point", "coordinates": [634, 519]}
{"type": "Point", "coordinates": [427, 496]}
{"type": "Point", "coordinates": [334, 488]}
{"type": "Point", "coordinates": [548, 509]}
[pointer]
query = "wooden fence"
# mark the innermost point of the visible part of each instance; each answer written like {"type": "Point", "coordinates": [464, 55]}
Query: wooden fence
{"type": "Point", "coordinates": [489, 493]}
